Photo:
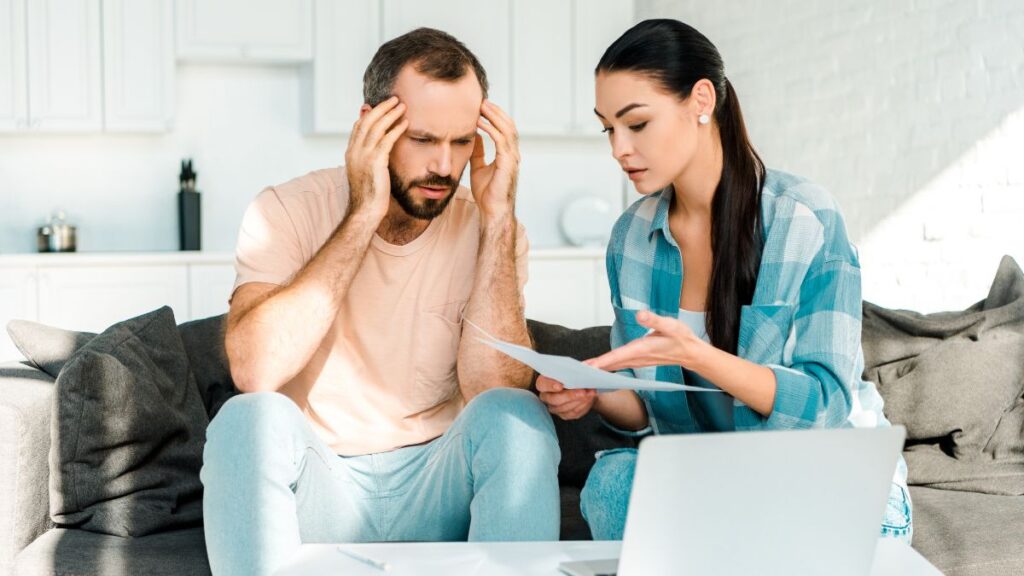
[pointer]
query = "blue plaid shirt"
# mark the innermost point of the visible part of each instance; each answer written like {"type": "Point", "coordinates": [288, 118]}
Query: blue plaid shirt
{"type": "Point", "coordinates": [804, 322]}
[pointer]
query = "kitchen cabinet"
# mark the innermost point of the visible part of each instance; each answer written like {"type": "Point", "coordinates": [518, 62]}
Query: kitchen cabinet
{"type": "Point", "coordinates": [540, 69]}
{"type": "Point", "coordinates": [482, 26]}
{"type": "Point", "coordinates": [18, 299]}
{"type": "Point", "coordinates": [64, 66]}
{"type": "Point", "coordinates": [83, 66]}
{"type": "Point", "coordinates": [138, 65]}
{"type": "Point", "coordinates": [13, 79]}
{"type": "Point", "coordinates": [347, 34]}
{"type": "Point", "coordinates": [209, 288]}
{"type": "Point", "coordinates": [258, 31]}
{"type": "Point", "coordinates": [542, 66]}
{"type": "Point", "coordinates": [92, 291]}
{"type": "Point", "coordinates": [563, 288]}
{"type": "Point", "coordinates": [91, 298]}
{"type": "Point", "coordinates": [596, 24]}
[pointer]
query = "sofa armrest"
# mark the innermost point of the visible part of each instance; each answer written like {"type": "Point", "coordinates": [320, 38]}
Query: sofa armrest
{"type": "Point", "coordinates": [25, 407]}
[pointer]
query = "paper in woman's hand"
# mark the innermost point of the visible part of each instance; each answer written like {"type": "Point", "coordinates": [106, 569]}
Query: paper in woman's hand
{"type": "Point", "coordinates": [575, 374]}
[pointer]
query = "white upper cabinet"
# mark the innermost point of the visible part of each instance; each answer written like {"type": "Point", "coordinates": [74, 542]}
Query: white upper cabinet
{"type": "Point", "coordinates": [597, 24]}
{"type": "Point", "coordinates": [64, 68]}
{"type": "Point", "coordinates": [539, 55]}
{"type": "Point", "coordinates": [267, 31]}
{"type": "Point", "coordinates": [79, 66]}
{"type": "Point", "coordinates": [138, 65]}
{"type": "Point", "coordinates": [482, 26]}
{"type": "Point", "coordinates": [94, 65]}
{"type": "Point", "coordinates": [13, 81]}
{"type": "Point", "coordinates": [347, 35]}
{"type": "Point", "coordinates": [542, 66]}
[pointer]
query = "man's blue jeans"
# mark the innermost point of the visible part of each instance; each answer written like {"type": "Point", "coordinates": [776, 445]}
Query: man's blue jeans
{"type": "Point", "coordinates": [272, 484]}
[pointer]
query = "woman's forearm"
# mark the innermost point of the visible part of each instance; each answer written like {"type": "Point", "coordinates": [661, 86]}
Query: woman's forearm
{"type": "Point", "coordinates": [622, 409]}
{"type": "Point", "coordinates": [750, 383]}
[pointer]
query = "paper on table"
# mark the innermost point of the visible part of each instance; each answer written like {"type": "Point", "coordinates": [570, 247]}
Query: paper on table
{"type": "Point", "coordinates": [575, 374]}
{"type": "Point", "coordinates": [410, 560]}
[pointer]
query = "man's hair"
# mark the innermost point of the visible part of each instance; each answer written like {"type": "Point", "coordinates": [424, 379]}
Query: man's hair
{"type": "Point", "coordinates": [434, 53]}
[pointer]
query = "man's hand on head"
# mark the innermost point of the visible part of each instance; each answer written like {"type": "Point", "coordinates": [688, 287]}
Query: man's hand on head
{"type": "Point", "coordinates": [494, 184]}
{"type": "Point", "coordinates": [366, 160]}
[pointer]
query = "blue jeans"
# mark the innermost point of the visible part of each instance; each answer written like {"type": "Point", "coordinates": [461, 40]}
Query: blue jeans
{"type": "Point", "coordinates": [605, 499]}
{"type": "Point", "coordinates": [272, 484]}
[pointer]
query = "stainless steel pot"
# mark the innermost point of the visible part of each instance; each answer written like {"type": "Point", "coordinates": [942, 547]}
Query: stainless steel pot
{"type": "Point", "coordinates": [57, 236]}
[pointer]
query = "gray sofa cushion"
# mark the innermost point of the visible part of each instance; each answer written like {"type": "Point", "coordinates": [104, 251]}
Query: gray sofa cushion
{"type": "Point", "coordinates": [46, 347]}
{"type": "Point", "coordinates": [26, 397]}
{"type": "Point", "coordinates": [969, 534]}
{"type": "Point", "coordinates": [77, 552]}
{"type": "Point", "coordinates": [127, 433]}
{"type": "Point", "coordinates": [955, 381]}
{"type": "Point", "coordinates": [49, 348]}
{"type": "Point", "coordinates": [204, 344]}
{"type": "Point", "coordinates": [574, 527]}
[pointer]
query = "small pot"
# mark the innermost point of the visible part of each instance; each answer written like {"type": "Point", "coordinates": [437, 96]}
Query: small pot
{"type": "Point", "coordinates": [57, 236]}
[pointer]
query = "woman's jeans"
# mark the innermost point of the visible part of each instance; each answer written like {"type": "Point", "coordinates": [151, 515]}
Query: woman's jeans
{"type": "Point", "coordinates": [271, 484]}
{"type": "Point", "coordinates": [605, 499]}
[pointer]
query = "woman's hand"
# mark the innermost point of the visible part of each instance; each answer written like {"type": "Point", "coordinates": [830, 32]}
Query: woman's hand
{"type": "Point", "coordinates": [566, 404]}
{"type": "Point", "coordinates": [669, 343]}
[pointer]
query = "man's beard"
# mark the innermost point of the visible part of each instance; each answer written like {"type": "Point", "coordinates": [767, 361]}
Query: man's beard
{"type": "Point", "coordinates": [429, 208]}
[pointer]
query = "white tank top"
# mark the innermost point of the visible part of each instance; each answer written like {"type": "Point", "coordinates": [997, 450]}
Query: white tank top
{"type": "Point", "coordinates": [713, 412]}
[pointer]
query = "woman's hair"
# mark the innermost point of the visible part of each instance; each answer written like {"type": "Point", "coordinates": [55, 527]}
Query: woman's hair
{"type": "Point", "coordinates": [677, 56]}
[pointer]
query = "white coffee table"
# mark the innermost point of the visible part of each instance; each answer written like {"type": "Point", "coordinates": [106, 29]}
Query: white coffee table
{"type": "Point", "coordinates": [519, 558]}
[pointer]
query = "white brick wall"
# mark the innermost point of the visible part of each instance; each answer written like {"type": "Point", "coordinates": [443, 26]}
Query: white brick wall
{"type": "Point", "coordinates": [910, 111]}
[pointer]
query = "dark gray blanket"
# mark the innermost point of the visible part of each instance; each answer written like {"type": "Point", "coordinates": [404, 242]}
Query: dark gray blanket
{"type": "Point", "coordinates": [955, 380]}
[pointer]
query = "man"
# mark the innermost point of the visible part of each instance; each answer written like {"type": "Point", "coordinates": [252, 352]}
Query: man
{"type": "Point", "coordinates": [371, 411]}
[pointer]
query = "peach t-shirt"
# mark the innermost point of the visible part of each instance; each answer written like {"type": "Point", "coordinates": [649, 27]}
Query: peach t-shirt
{"type": "Point", "coordinates": [384, 375]}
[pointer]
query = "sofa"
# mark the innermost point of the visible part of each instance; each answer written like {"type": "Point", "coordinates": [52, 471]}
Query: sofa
{"type": "Point", "coordinates": [961, 530]}
{"type": "Point", "coordinates": [32, 544]}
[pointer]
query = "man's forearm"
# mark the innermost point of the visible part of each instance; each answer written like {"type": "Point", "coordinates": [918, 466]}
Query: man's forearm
{"type": "Point", "coordinates": [496, 306]}
{"type": "Point", "coordinates": [270, 341]}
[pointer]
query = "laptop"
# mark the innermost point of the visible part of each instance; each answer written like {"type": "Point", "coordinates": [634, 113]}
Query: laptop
{"type": "Point", "coordinates": [786, 502]}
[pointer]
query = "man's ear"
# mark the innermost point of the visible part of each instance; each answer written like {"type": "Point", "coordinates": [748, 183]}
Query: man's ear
{"type": "Point", "coordinates": [364, 109]}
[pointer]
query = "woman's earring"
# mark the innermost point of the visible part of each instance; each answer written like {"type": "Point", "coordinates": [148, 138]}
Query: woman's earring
{"type": "Point", "coordinates": [704, 119]}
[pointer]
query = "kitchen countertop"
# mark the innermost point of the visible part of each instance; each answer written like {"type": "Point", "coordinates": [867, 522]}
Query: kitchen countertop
{"type": "Point", "coordinates": [203, 257]}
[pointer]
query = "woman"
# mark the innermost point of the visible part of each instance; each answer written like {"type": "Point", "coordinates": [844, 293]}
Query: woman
{"type": "Point", "coordinates": [724, 275]}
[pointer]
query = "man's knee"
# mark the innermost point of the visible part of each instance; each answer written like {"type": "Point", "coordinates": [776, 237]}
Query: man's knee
{"type": "Point", "coordinates": [503, 407]}
{"type": "Point", "coordinates": [512, 415]}
{"type": "Point", "coordinates": [249, 416]}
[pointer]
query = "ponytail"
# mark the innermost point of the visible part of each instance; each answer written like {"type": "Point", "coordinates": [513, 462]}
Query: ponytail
{"type": "Point", "coordinates": [736, 226]}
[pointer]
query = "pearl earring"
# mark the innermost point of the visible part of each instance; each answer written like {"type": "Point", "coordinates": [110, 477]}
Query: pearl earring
{"type": "Point", "coordinates": [704, 119]}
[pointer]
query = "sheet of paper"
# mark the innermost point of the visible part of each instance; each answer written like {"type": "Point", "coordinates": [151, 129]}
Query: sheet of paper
{"type": "Point", "coordinates": [575, 374]}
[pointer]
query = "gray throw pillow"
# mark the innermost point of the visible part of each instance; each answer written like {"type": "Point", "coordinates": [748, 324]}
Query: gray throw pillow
{"type": "Point", "coordinates": [955, 380]}
{"type": "Point", "coordinates": [128, 431]}
{"type": "Point", "coordinates": [49, 348]}
{"type": "Point", "coordinates": [46, 347]}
